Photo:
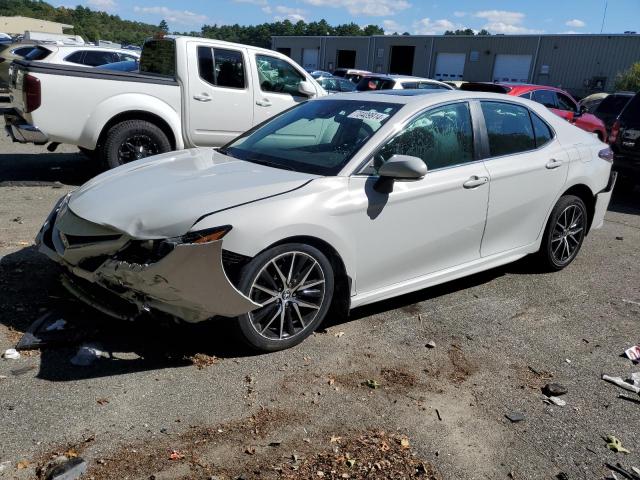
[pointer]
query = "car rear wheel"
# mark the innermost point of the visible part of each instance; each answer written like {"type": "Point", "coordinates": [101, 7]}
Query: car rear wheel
{"type": "Point", "coordinates": [133, 140]}
{"type": "Point", "coordinates": [564, 233]}
{"type": "Point", "coordinates": [294, 283]}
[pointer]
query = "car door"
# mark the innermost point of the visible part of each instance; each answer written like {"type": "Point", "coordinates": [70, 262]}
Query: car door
{"type": "Point", "coordinates": [427, 225]}
{"type": "Point", "coordinates": [219, 98]}
{"type": "Point", "coordinates": [528, 169]}
{"type": "Point", "coordinates": [277, 83]}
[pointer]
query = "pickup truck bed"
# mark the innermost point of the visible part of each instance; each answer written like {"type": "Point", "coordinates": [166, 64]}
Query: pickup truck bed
{"type": "Point", "coordinates": [74, 105]}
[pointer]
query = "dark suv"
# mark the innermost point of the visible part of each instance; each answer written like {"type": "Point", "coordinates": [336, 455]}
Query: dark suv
{"type": "Point", "coordinates": [609, 108]}
{"type": "Point", "coordinates": [625, 141]}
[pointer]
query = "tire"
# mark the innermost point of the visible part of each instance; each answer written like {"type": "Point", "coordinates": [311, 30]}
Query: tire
{"type": "Point", "coordinates": [268, 329]}
{"type": "Point", "coordinates": [133, 140]}
{"type": "Point", "coordinates": [564, 233]}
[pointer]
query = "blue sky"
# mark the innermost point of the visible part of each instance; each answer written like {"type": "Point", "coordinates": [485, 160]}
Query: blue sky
{"type": "Point", "coordinates": [415, 16]}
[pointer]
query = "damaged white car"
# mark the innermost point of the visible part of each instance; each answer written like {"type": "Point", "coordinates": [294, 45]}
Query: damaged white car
{"type": "Point", "coordinates": [338, 202]}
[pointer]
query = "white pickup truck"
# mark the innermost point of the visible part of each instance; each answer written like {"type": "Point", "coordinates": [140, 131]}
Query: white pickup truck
{"type": "Point", "coordinates": [189, 92]}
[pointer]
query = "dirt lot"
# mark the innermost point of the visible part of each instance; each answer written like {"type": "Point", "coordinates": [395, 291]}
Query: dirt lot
{"type": "Point", "coordinates": [187, 403]}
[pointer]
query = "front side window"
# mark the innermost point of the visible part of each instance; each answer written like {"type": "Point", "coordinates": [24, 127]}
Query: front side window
{"type": "Point", "coordinates": [75, 57]}
{"type": "Point", "coordinates": [545, 97]}
{"type": "Point", "coordinates": [318, 137]}
{"type": "Point", "coordinates": [565, 103]}
{"type": "Point", "coordinates": [508, 127]}
{"type": "Point", "coordinates": [221, 67]}
{"type": "Point", "coordinates": [278, 76]}
{"type": "Point", "coordinates": [441, 137]}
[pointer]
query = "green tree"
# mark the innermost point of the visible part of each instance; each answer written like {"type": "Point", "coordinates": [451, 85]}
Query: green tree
{"type": "Point", "coordinates": [629, 80]}
{"type": "Point", "coordinates": [164, 26]}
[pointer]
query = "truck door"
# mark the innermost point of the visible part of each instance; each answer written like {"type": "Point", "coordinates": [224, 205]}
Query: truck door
{"type": "Point", "coordinates": [276, 89]}
{"type": "Point", "coordinates": [219, 96]}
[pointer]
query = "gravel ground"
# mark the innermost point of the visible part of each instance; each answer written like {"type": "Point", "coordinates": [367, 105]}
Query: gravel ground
{"type": "Point", "coordinates": [500, 336]}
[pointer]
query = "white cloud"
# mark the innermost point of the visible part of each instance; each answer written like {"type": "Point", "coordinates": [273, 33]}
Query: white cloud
{"type": "Point", "coordinates": [287, 13]}
{"type": "Point", "coordinates": [372, 8]}
{"type": "Point", "coordinates": [575, 23]}
{"type": "Point", "coordinates": [426, 26]}
{"type": "Point", "coordinates": [183, 17]}
{"type": "Point", "coordinates": [252, 2]}
{"type": "Point", "coordinates": [503, 21]}
{"type": "Point", "coordinates": [459, 14]}
{"type": "Point", "coordinates": [102, 4]}
{"type": "Point", "coordinates": [391, 27]}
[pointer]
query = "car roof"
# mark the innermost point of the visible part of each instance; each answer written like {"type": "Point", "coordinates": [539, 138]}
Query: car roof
{"type": "Point", "coordinates": [423, 98]}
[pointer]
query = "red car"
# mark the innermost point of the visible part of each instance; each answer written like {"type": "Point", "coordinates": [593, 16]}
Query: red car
{"type": "Point", "coordinates": [557, 100]}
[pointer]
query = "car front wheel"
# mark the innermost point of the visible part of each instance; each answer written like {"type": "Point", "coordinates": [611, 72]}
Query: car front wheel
{"type": "Point", "coordinates": [294, 285]}
{"type": "Point", "coordinates": [564, 233]}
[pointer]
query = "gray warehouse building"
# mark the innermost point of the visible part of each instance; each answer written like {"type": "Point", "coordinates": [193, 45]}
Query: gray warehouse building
{"type": "Point", "coordinates": [581, 64]}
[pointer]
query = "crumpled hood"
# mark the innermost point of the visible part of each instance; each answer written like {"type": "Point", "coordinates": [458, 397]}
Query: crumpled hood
{"type": "Point", "coordinates": [163, 196]}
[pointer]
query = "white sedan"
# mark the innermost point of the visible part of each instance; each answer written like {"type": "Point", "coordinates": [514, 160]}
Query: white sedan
{"type": "Point", "coordinates": [336, 203]}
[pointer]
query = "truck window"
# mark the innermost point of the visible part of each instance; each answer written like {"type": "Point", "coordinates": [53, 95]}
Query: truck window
{"type": "Point", "coordinates": [221, 67]}
{"type": "Point", "coordinates": [159, 58]}
{"type": "Point", "coordinates": [75, 57]}
{"type": "Point", "coordinates": [278, 76]}
{"type": "Point", "coordinates": [38, 53]}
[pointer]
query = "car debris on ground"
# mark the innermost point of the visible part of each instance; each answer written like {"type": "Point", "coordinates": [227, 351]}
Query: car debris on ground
{"type": "Point", "coordinates": [11, 354]}
{"type": "Point", "coordinates": [633, 353]}
{"type": "Point", "coordinates": [614, 443]}
{"type": "Point", "coordinates": [621, 383]}
{"type": "Point", "coordinates": [86, 355]}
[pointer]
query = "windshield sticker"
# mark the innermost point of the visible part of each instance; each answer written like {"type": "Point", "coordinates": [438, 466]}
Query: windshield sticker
{"type": "Point", "coordinates": [368, 115]}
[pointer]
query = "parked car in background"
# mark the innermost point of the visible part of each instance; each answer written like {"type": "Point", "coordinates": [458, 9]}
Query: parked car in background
{"type": "Point", "coordinates": [9, 53]}
{"type": "Point", "coordinates": [399, 82]}
{"type": "Point", "coordinates": [339, 202]}
{"type": "Point", "coordinates": [590, 102]}
{"type": "Point", "coordinates": [85, 55]}
{"type": "Point", "coordinates": [558, 101]}
{"type": "Point", "coordinates": [5, 38]}
{"type": "Point", "coordinates": [352, 74]}
{"type": "Point", "coordinates": [455, 83]}
{"type": "Point", "coordinates": [319, 73]}
{"type": "Point", "coordinates": [625, 142]}
{"type": "Point", "coordinates": [125, 66]}
{"type": "Point", "coordinates": [336, 84]}
{"type": "Point", "coordinates": [189, 92]}
{"type": "Point", "coordinates": [611, 106]}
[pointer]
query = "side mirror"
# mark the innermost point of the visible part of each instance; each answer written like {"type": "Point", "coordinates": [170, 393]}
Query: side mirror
{"type": "Point", "coordinates": [403, 167]}
{"type": "Point", "coordinates": [306, 89]}
{"type": "Point", "coordinates": [582, 109]}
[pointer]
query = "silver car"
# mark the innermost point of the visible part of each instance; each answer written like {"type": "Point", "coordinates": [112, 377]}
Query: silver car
{"type": "Point", "coordinates": [336, 203]}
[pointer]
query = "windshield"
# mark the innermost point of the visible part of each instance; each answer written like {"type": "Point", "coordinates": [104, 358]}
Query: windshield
{"type": "Point", "coordinates": [317, 137]}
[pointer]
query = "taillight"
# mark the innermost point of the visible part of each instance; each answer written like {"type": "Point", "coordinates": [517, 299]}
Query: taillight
{"type": "Point", "coordinates": [32, 93]}
{"type": "Point", "coordinates": [615, 131]}
{"type": "Point", "coordinates": [606, 154]}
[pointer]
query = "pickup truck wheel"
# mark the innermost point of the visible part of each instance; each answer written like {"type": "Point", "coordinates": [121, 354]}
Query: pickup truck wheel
{"type": "Point", "coordinates": [133, 140]}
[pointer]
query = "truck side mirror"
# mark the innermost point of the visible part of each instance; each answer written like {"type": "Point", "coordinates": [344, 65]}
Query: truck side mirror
{"type": "Point", "coordinates": [306, 89]}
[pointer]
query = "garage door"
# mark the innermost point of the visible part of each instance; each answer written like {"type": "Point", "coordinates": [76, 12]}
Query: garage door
{"type": "Point", "coordinates": [512, 68]}
{"type": "Point", "coordinates": [310, 58]}
{"type": "Point", "coordinates": [449, 66]}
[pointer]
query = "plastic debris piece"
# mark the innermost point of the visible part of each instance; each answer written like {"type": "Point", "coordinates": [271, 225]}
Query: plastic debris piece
{"type": "Point", "coordinates": [11, 354]}
{"type": "Point", "coordinates": [635, 378]}
{"type": "Point", "coordinates": [633, 353]}
{"type": "Point", "coordinates": [431, 344]}
{"type": "Point", "coordinates": [615, 444]}
{"type": "Point", "coordinates": [554, 390]}
{"type": "Point", "coordinates": [557, 401]}
{"type": "Point", "coordinates": [515, 417]}
{"type": "Point", "coordinates": [621, 383]}
{"type": "Point", "coordinates": [87, 354]}
{"type": "Point", "coordinates": [372, 384]}
{"type": "Point", "coordinates": [70, 470]}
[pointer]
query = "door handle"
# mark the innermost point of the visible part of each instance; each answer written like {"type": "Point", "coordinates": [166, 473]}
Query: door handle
{"type": "Point", "coordinates": [265, 102]}
{"type": "Point", "coordinates": [202, 98]}
{"type": "Point", "coordinates": [475, 182]}
{"type": "Point", "coordinates": [553, 163]}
